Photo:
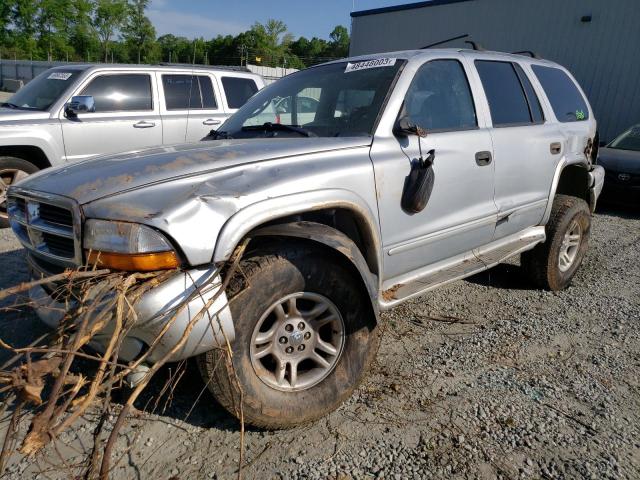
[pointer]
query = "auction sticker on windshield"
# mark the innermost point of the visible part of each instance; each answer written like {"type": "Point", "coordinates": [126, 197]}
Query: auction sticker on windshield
{"type": "Point", "coordinates": [375, 63]}
{"type": "Point", "coordinates": [59, 76]}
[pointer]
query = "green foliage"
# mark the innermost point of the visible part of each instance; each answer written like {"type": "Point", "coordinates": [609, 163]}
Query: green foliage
{"type": "Point", "coordinates": [119, 30]}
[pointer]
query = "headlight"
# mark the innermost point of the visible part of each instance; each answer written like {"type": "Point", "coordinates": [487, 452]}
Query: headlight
{"type": "Point", "coordinates": [127, 246]}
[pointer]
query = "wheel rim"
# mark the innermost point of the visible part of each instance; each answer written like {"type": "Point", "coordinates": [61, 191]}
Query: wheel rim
{"type": "Point", "coordinates": [570, 246]}
{"type": "Point", "coordinates": [8, 176]}
{"type": "Point", "coordinates": [297, 342]}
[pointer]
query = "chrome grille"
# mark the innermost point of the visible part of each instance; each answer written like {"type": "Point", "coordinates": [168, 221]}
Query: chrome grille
{"type": "Point", "coordinates": [47, 226]}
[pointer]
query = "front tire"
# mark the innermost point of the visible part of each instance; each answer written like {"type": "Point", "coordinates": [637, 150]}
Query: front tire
{"type": "Point", "coordinates": [305, 337]}
{"type": "Point", "coordinates": [12, 169]}
{"type": "Point", "coordinates": [552, 264]}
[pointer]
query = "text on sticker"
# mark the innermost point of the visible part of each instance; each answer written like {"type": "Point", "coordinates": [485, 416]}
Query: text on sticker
{"type": "Point", "coordinates": [59, 76]}
{"type": "Point", "coordinates": [375, 63]}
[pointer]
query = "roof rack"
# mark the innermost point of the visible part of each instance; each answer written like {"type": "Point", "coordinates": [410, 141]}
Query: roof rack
{"type": "Point", "coordinates": [475, 45]}
{"type": "Point", "coordinates": [441, 42]}
{"type": "Point", "coordinates": [527, 52]}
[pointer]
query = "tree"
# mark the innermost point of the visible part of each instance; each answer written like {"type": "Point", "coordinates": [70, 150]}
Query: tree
{"type": "Point", "coordinates": [6, 8]}
{"type": "Point", "coordinates": [109, 18]}
{"type": "Point", "coordinates": [138, 31]}
{"type": "Point", "coordinates": [339, 41]}
{"type": "Point", "coordinates": [53, 25]}
{"type": "Point", "coordinates": [83, 38]}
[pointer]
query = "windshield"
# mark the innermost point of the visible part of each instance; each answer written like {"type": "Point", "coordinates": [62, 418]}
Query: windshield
{"type": "Point", "coordinates": [629, 140]}
{"type": "Point", "coordinates": [41, 92]}
{"type": "Point", "coordinates": [333, 100]}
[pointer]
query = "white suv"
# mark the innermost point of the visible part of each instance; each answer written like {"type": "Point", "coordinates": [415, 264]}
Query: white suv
{"type": "Point", "coordinates": [77, 112]}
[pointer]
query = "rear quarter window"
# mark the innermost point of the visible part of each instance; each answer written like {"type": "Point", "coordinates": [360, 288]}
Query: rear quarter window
{"type": "Point", "coordinates": [566, 100]}
{"type": "Point", "coordinates": [238, 90]}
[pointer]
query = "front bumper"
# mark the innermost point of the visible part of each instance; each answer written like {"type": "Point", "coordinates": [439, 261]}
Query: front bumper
{"type": "Point", "coordinates": [157, 307]}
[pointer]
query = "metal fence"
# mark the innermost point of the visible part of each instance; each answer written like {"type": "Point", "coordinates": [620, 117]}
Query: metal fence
{"type": "Point", "coordinates": [14, 73]}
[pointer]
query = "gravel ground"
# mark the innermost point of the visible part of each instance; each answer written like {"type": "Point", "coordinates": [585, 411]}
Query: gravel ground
{"type": "Point", "coordinates": [484, 378]}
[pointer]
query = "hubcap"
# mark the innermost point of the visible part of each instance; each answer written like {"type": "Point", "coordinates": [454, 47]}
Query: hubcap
{"type": "Point", "coordinates": [8, 176]}
{"type": "Point", "coordinates": [297, 342]}
{"type": "Point", "coordinates": [570, 245]}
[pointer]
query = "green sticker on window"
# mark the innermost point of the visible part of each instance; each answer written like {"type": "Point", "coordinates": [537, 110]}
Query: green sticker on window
{"type": "Point", "coordinates": [579, 115]}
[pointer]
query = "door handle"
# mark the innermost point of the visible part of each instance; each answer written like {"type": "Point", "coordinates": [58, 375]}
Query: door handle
{"type": "Point", "coordinates": [144, 124]}
{"type": "Point", "coordinates": [556, 148]}
{"type": "Point", "coordinates": [483, 158]}
{"type": "Point", "coordinates": [212, 121]}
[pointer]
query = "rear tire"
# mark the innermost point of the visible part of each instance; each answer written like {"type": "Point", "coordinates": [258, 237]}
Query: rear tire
{"type": "Point", "coordinates": [12, 169]}
{"type": "Point", "coordinates": [552, 264]}
{"type": "Point", "coordinates": [284, 286]}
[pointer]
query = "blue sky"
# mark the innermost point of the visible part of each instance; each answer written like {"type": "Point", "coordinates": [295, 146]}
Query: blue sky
{"type": "Point", "coordinates": [208, 18]}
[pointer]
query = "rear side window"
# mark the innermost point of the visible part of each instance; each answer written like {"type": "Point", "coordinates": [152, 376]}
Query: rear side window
{"type": "Point", "coordinates": [238, 90]}
{"type": "Point", "coordinates": [182, 92]}
{"type": "Point", "coordinates": [534, 103]}
{"type": "Point", "coordinates": [507, 100]}
{"type": "Point", "coordinates": [566, 100]}
{"type": "Point", "coordinates": [439, 97]}
{"type": "Point", "coordinates": [121, 93]}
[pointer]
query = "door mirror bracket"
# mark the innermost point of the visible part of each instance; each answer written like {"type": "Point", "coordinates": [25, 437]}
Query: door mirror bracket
{"type": "Point", "coordinates": [404, 126]}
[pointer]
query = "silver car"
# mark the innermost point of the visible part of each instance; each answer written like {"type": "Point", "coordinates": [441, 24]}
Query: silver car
{"type": "Point", "coordinates": [76, 112]}
{"type": "Point", "coordinates": [418, 168]}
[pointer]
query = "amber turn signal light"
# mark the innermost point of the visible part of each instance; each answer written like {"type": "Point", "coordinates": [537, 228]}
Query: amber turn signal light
{"type": "Point", "coordinates": [134, 262]}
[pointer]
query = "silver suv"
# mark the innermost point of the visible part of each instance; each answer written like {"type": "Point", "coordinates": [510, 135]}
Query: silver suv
{"type": "Point", "coordinates": [415, 169]}
{"type": "Point", "coordinates": [77, 112]}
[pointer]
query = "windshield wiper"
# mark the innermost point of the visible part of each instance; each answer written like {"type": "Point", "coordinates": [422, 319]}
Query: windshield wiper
{"type": "Point", "coordinates": [16, 107]}
{"type": "Point", "coordinates": [217, 135]}
{"type": "Point", "coordinates": [272, 127]}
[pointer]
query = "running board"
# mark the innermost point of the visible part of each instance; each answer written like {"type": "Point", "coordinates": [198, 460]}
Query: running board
{"type": "Point", "coordinates": [461, 266]}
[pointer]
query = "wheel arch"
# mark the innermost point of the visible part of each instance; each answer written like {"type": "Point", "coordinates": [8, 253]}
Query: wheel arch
{"type": "Point", "coordinates": [30, 153]}
{"type": "Point", "coordinates": [341, 210]}
{"type": "Point", "coordinates": [573, 179]}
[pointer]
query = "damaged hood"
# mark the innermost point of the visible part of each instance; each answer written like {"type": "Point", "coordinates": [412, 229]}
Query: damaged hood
{"type": "Point", "coordinates": [101, 177]}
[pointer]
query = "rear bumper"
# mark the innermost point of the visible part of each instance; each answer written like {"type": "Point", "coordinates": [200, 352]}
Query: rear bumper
{"type": "Point", "coordinates": [596, 185]}
{"type": "Point", "coordinates": [155, 309]}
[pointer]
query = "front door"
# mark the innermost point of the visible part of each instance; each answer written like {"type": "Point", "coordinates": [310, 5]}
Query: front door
{"type": "Point", "coordinates": [126, 117]}
{"type": "Point", "coordinates": [460, 213]}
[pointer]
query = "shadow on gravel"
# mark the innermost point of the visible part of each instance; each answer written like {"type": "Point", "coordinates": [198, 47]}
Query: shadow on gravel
{"type": "Point", "coordinates": [505, 276]}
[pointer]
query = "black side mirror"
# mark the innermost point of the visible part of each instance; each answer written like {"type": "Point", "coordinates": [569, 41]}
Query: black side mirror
{"type": "Point", "coordinates": [404, 126]}
{"type": "Point", "coordinates": [80, 104]}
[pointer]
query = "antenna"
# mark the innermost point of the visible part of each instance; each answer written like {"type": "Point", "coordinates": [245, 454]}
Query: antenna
{"type": "Point", "coordinates": [475, 45]}
{"type": "Point", "coordinates": [445, 41]}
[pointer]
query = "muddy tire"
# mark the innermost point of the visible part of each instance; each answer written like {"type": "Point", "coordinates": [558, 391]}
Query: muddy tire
{"type": "Point", "coordinates": [552, 264]}
{"type": "Point", "coordinates": [12, 169]}
{"type": "Point", "coordinates": [306, 307]}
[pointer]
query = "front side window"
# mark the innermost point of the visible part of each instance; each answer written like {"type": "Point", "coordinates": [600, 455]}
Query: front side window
{"type": "Point", "coordinates": [439, 97]}
{"type": "Point", "coordinates": [121, 93]}
{"type": "Point", "coordinates": [506, 97]}
{"type": "Point", "coordinates": [333, 100]}
{"type": "Point", "coordinates": [238, 90]}
{"type": "Point", "coordinates": [566, 100]}
{"type": "Point", "coordinates": [184, 92]}
{"type": "Point", "coordinates": [629, 140]}
{"type": "Point", "coordinates": [41, 92]}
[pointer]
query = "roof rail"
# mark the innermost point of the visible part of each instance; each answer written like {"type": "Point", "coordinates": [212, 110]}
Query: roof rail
{"type": "Point", "coordinates": [441, 42]}
{"type": "Point", "coordinates": [527, 52]}
{"type": "Point", "coordinates": [475, 45]}
{"type": "Point", "coordinates": [232, 68]}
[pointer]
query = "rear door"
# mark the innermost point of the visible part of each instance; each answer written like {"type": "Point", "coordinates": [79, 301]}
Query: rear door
{"type": "Point", "coordinates": [126, 117]}
{"type": "Point", "coordinates": [526, 146]}
{"type": "Point", "coordinates": [460, 213]}
{"type": "Point", "coordinates": [190, 107]}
